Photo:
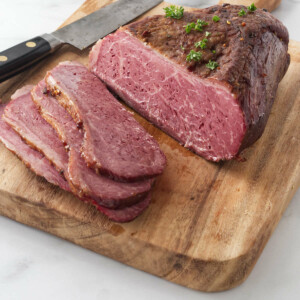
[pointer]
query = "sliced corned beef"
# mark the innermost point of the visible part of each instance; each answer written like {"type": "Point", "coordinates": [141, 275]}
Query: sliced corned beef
{"type": "Point", "coordinates": [102, 189]}
{"type": "Point", "coordinates": [23, 115]}
{"type": "Point", "coordinates": [115, 144]}
{"type": "Point", "coordinates": [37, 162]}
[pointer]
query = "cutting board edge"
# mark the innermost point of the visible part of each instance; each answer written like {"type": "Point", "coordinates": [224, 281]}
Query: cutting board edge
{"type": "Point", "coordinates": [192, 265]}
{"type": "Point", "coordinates": [182, 269]}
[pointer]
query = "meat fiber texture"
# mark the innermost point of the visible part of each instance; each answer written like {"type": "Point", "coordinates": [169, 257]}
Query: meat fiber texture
{"type": "Point", "coordinates": [215, 113]}
{"type": "Point", "coordinates": [27, 125]}
{"type": "Point", "coordinates": [114, 144]}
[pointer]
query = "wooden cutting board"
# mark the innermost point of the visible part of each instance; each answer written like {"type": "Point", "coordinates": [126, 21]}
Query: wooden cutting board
{"type": "Point", "coordinates": [207, 223]}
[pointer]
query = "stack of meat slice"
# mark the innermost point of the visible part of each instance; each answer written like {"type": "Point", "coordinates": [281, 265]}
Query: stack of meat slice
{"type": "Point", "coordinates": [72, 131]}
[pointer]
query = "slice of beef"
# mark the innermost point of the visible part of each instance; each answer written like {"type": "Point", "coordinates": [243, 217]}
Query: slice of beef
{"type": "Point", "coordinates": [115, 144]}
{"type": "Point", "coordinates": [33, 159]}
{"type": "Point", "coordinates": [84, 179]}
{"type": "Point", "coordinates": [125, 214]}
{"type": "Point", "coordinates": [22, 115]}
{"type": "Point", "coordinates": [217, 111]}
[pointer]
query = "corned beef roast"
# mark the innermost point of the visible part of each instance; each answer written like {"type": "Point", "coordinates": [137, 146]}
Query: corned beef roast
{"type": "Point", "coordinates": [208, 79]}
{"type": "Point", "coordinates": [114, 144]}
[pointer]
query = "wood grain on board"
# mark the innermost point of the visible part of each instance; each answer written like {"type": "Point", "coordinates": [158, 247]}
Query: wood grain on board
{"type": "Point", "coordinates": [207, 223]}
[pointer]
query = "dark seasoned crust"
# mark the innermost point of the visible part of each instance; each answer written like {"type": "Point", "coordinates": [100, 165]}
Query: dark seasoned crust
{"type": "Point", "coordinates": [251, 52]}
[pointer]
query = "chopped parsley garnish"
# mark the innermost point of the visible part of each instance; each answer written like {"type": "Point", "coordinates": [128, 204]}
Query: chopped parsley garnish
{"type": "Point", "coordinates": [242, 13]}
{"type": "Point", "coordinates": [182, 47]}
{"type": "Point", "coordinates": [207, 33]}
{"type": "Point", "coordinates": [197, 26]}
{"type": "Point", "coordinates": [212, 65]}
{"type": "Point", "coordinates": [200, 24]}
{"type": "Point", "coordinates": [188, 27]}
{"type": "Point", "coordinates": [174, 12]}
{"type": "Point", "coordinates": [193, 55]}
{"type": "Point", "coordinates": [201, 44]}
{"type": "Point", "coordinates": [213, 51]}
{"type": "Point", "coordinates": [216, 18]}
{"type": "Point", "coordinates": [252, 7]}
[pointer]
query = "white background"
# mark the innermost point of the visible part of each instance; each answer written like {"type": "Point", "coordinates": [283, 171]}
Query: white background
{"type": "Point", "coordinates": [36, 265]}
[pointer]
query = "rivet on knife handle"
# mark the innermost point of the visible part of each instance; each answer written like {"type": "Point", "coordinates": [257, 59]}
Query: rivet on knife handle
{"type": "Point", "coordinates": [17, 58]}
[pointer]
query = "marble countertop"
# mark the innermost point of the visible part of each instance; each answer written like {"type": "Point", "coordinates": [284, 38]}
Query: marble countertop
{"type": "Point", "coordinates": [37, 265]}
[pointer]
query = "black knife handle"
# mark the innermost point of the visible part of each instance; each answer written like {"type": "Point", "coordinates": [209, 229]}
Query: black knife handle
{"type": "Point", "coordinates": [17, 58]}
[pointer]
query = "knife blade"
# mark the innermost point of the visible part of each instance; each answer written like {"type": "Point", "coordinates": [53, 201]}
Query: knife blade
{"type": "Point", "coordinates": [80, 34]}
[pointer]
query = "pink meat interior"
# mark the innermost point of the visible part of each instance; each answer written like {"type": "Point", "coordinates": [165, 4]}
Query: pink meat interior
{"type": "Point", "coordinates": [202, 114]}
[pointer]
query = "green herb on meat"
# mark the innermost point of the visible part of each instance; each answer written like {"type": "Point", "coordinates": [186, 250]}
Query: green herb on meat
{"type": "Point", "coordinates": [252, 7]}
{"type": "Point", "coordinates": [200, 24]}
{"type": "Point", "coordinates": [193, 55]}
{"type": "Point", "coordinates": [188, 27]}
{"type": "Point", "coordinates": [242, 12]}
{"type": "Point", "coordinates": [201, 44]}
{"type": "Point", "coordinates": [207, 33]}
{"type": "Point", "coordinates": [216, 18]}
{"type": "Point", "coordinates": [212, 65]}
{"type": "Point", "coordinates": [213, 51]}
{"type": "Point", "coordinates": [174, 12]}
{"type": "Point", "coordinates": [197, 26]}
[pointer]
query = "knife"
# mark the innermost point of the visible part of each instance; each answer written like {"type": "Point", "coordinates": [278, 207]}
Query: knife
{"type": "Point", "coordinates": [80, 34]}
